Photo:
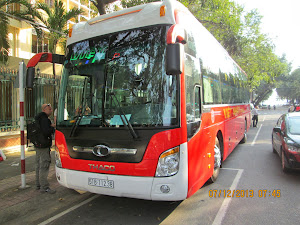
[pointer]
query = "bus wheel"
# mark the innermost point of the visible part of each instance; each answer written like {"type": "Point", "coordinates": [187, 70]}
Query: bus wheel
{"type": "Point", "coordinates": [244, 140]}
{"type": "Point", "coordinates": [218, 161]}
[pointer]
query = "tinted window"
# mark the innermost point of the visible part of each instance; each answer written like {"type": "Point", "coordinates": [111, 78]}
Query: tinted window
{"type": "Point", "coordinates": [294, 125]}
{"type": "Point", "coordinates": [122, 73]}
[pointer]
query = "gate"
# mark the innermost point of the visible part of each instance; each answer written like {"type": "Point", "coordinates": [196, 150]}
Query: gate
{"type": "Point", "coordinates": [44, 90]}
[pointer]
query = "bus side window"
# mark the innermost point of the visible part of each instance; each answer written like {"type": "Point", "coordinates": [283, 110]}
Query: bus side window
{"type": "Point", "coordinates": [193, 123]}
{"type": "Point", "coordinates": [197, 103]}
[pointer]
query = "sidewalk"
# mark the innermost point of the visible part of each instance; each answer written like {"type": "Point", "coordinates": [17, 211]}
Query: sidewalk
{"type": "Point", "coordinates": [11, 192]}
{"type": "Point", "coordinates": [30, 206]}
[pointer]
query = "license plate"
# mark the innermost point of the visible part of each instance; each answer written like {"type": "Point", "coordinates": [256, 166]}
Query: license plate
{"type": "Point", "coordinates": [101, 183]}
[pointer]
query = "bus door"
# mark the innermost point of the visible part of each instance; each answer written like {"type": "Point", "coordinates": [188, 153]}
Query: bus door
{"type": "Point", "coordinates": [196, 143]}
{"type": "Point", "coordinates": [193, 112]}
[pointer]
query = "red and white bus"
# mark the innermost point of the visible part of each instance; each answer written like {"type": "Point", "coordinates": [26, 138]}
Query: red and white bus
{"type": "Point", "coordinates": [154, 104]}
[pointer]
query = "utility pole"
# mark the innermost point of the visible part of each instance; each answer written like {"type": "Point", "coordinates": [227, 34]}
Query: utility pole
{"type": "Point", "coordinates": [21, 93]}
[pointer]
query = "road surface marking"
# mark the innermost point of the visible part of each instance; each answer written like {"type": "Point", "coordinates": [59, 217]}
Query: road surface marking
{"type": "Point", "coordinates": [254, 140]}
{"type": "Point", "coordinates": [222, 211]}
{"type": "Point", "coordinates": [69, 210]}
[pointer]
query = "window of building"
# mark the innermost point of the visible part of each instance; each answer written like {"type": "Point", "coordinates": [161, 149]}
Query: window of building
{"type": "Point", "coordinates": [39, 44]}
{"type": "Point", "coordinates": [14, 7]}
{"type": "Point", "coordinates": [49, 2]}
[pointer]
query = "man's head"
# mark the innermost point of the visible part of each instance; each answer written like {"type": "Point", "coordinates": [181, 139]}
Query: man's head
{"type": "Point", "coordinates": [46, 108]}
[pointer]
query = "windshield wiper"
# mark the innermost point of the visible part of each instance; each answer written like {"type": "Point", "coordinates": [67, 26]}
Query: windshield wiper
{"type": "Point", "coordinates": [75, 125]}
{"type": "Point", "coordinates": [77, 121]}
{"type": "Point", "coordinates": [81, 110]}
{"type": "Point", "coordinates": [129, 126]}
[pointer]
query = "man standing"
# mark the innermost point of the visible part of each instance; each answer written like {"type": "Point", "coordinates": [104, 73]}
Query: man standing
{"type": "Point", "coordinates": [254, 116]}
{"type": "Point", "coordinates": [43, 158]}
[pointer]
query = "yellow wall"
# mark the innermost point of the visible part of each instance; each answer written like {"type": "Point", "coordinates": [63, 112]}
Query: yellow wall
{"type": "Point", "coordinates": [20, 37]}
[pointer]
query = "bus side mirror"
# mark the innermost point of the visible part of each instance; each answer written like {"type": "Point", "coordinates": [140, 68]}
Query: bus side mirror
{"type": "Point", "coordinates": [30, 77]}
{"type": "Point", "coordinates": [174, 59]}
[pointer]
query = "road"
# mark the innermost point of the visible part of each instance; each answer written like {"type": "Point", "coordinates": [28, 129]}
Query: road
{"type": "Point", "coordinates": [263, 193]}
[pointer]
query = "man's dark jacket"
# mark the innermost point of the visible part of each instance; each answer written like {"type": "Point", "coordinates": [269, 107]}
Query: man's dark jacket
{"type": "Point", "coordinates": [46, 129]}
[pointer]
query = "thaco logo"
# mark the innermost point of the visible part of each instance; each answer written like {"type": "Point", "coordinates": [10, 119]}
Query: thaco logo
{"type": "Point", "coordinates": [102, 167]}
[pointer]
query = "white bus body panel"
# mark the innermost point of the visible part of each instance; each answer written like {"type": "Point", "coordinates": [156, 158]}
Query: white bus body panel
{"type": "Point", "coordinates": [148, 15]}
{"type": "Point", "coordinates": [132, 186]}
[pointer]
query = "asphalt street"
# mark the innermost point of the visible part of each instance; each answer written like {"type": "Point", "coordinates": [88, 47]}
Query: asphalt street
{"type": "Point", "coordinates": [270, 196]}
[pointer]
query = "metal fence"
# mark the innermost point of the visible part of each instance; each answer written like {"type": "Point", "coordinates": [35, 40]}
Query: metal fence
{"type": "Point", "coordinates": [8, 99]}
{"type": "Point", "coordinates": [45, 88]}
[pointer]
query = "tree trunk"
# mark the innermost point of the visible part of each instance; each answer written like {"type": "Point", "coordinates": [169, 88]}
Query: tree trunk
{"type": "Point", "coordinates": [259, 98]}
{"type": "Point", "coordinates": [100, 4]}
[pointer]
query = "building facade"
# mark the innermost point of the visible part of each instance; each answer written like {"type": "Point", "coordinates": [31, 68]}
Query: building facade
{"type": "Point", "coordinates": [24, 44]}
{"type": "Point", "coordinates": [23, 40]}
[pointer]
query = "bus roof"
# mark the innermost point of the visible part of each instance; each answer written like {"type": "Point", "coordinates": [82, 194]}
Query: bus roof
{"type": "Point", "coordinates": [137, 16]}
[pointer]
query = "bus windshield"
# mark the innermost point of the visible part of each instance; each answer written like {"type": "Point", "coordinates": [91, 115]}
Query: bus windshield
{"type": "Point", "coordinates": [108, 78]}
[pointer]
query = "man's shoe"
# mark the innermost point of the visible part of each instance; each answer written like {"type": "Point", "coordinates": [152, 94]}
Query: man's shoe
{"type": "Point", "coordinates": [37, 188]}
{"type": "Point", "coordinates": [48, 190]}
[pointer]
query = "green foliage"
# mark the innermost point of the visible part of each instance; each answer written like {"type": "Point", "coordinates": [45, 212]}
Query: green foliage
{"type": "Point", "coordinates": [237, 30]}
{"type": "Point", "coordinates": [222, 18]}
{"type": "Point", "coordinates": [25, 13]}
{"type": "Point", "coordinates": [289, 86]}
{"type": "Point", "coordinates": [56, 21]}
{"type": "Point", "coordinates": [239, 33]}
{"type": "Point", "coordinates": [4, 45]}
{"type": "Point", "coordinates": [258, 57]}
{"type": "Point", "coordinates": [262, 92]}
{"type": "Point", "coordinates": [131, 3]}
{"type": "Point", "coordinates": [102, 5]}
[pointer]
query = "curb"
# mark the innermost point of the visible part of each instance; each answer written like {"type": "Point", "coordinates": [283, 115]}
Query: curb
{"type": "Point", "coordinates": [2, 156]}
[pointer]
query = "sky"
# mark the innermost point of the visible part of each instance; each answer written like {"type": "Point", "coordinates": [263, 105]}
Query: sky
{"type": "Point", "coordinates": [281, 21]}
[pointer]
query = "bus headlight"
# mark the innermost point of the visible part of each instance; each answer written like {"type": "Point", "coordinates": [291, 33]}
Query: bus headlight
{"type": "Point", "coordinates": [57, 158]}
{"type": "Point", "coordinates": [168, 163]}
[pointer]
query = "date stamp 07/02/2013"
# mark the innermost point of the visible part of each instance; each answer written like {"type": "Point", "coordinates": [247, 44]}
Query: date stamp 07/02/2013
{"type": "Point", "coordinates": [244, 193]}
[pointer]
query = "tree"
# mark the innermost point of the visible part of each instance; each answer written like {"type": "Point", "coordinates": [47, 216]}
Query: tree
{"type": "Point", "coordinates": [25, 13]}
{"type": "Point", "coordinates": [263, 92]}
{"type": "Point", "coordinates": [131, 3]}
{"type": "Point", "coordinates": [289, 86]}
{"type": "Point", "coordinates": [239, 33]}
{"type": "Point", "coordinates": [4, 45]}
{"type": "Point", "coordinates": [258, 57]}
{"type": "Point", "coordinates": [100, 5]}
{"type": "Point", "coordinates": [56, 19]}
{"type": "Point", "coordinates": [222, 18]}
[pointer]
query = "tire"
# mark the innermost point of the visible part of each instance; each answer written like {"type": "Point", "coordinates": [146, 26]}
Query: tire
{"type": "Point", "coordinates": [217, 161]}
{"type": "Point", "coordinates": [274, 150]}
{"type": "Point", "coordinates": [284, 163]}
{"type": "Point", "coordinates": [244, 140]}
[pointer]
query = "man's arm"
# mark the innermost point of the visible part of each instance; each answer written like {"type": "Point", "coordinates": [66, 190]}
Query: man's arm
{"type": "Point", "coordinates": [46, 127]}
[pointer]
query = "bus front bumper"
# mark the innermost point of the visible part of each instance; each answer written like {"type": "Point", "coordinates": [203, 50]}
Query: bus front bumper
{"type": "Point", "coordinates": [173, 188]}
{"type": "Point", "coordinates": [150, 188]}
